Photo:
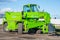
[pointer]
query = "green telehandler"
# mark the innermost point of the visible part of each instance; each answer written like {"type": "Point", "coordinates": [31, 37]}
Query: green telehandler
{"type": "Point", "coordinates": [30, 20]}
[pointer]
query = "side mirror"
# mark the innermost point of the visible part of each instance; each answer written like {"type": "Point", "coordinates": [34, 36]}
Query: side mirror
{"type": "Point", "coordinates": [39, 7]}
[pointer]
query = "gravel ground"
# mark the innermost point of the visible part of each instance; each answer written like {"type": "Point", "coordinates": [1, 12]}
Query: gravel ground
{"type": "Point", "coordinates": [15, 36]}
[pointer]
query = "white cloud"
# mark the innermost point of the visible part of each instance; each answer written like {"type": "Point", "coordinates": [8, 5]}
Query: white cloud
{"type": "Point", "coordinates": [2, 11]}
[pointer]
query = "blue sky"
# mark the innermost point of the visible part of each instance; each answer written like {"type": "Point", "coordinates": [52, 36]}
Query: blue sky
{"type": "Point", "coordinates": [51, 6]}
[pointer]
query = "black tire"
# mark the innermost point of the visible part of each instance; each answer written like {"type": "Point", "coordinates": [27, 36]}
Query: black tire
{"type": "Point", "coordinates": [20, 28]}
{"type": "Point", "coordinates": [31, 31]}
{"type": "Point", "coordinates": [4, 27]}
{"type": "Point", "coordinates": [38, 32]}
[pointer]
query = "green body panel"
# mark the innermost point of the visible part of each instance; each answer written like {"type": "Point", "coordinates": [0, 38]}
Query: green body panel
{"type": "Point", "coordinates": [30, 20]}
{"type": "Point", "coordinates": [34, 14]}
{"type": "Point", "coordinates": [14, 16]}
{"type": "Point", "coordinates": [12, 25]}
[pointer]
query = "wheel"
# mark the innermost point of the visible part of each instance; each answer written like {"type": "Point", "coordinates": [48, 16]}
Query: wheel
{"type": "Point", "coordinates": [4, 27]}
{"type": "Point", "coordinates": [31, 31]}
{"type": "Point", "coordinates": [20, 28]}
{"type": "Point", "coordinates": [38, 32]}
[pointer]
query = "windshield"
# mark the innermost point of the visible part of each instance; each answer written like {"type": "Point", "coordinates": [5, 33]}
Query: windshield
{"type": "Point", "coordinates": [32, 8]}
{"type": "Point", "coordinates": [26, 9]}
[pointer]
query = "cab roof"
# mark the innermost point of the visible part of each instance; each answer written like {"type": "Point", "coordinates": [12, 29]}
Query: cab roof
{"type": "Point", "coordinates": [30, 4]}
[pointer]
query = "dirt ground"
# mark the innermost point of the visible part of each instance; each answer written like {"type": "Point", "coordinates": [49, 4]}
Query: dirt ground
{"type": "Point", "coordinates": [15, 36]}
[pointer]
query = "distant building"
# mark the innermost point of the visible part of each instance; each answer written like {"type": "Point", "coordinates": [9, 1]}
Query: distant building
{"type": "Point", "coordinates": [55, 21]}
{"type": "Point", "coordinates": [1, 15]}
